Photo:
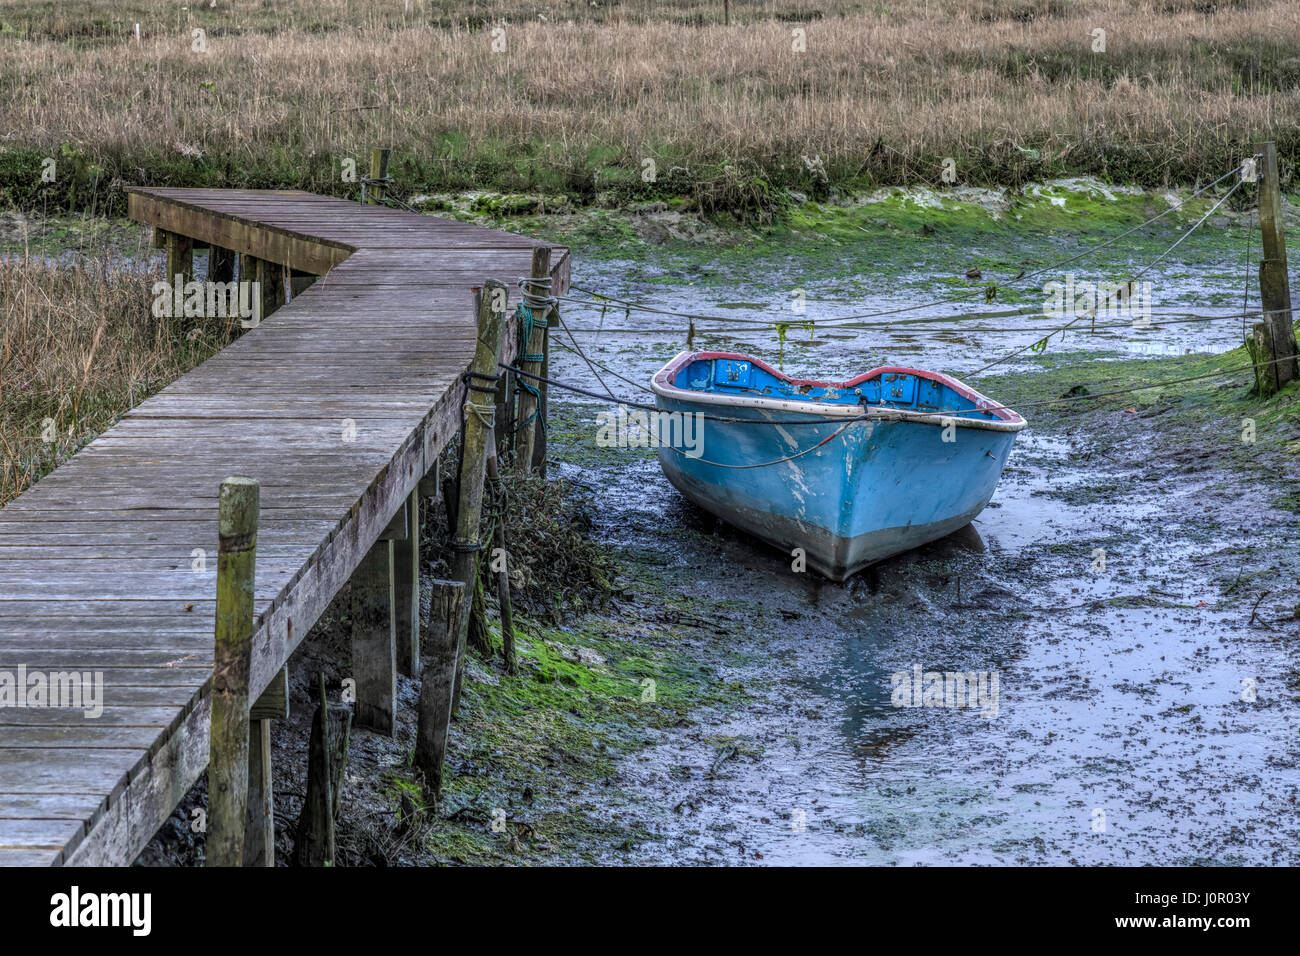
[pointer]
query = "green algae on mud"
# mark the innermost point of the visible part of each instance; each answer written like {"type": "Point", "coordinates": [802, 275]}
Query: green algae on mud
{"type": "Point", "coordinates": [532, 765]}
{"type": "Point", "coordinates": [1205, 403]}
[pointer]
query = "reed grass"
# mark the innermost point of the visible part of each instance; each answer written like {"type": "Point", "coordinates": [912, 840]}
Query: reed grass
{"type": "Point", "coordinates": [1010, 90]}
{"type": "Point", "coordinates": [78, 348]}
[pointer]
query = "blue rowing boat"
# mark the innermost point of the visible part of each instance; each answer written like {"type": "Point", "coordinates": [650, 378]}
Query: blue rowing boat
{"type": "Point", "coordinates": [851, 472]}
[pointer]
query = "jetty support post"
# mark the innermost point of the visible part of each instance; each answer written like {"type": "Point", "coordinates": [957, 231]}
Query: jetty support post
{"type": "Point", "coordinates": [326, 762]}
{"type": "Point", "coordinates": [374, 630]}
{"type": "Point", "coordinates": [1273, 340]}
{"type": "Point", "coordinates": [438, 681]}
{"type": "Point", "coordinates": [539, 443]}
{"type": "Point", "coordinates": [270, 279]}
{"type": "Point", "coordinates": [504, 420]}
{"type": "Point", "coordinates": [228, 748]}
{"type": "Point", "coordinates": [406, 588]}
{"type": "Point", "coordinates": [180, 258]}
{"type": "Point", "coordinates": [478, 414]}
{"type": "Point", "coordinates": [503, 574]}
{"type": "Point", "coordinates": [259, 836]}
{"type": "Point", "coordinates": [221, 264]}
{"type": "Point", "coordinates": [299, 282]}
{"type": "Point", "coordinates": [537, 293]}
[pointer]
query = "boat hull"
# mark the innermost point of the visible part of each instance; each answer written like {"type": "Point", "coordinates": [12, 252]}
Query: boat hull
{"type": "Point", "coordinates": [849, 493]}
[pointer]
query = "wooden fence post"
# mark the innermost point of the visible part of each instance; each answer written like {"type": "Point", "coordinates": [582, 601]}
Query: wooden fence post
{"type": "Point", "coordinates": [240, 504]}
{"type": "Point", "coordinates": [1274, 284]}
{"type": "Point", "coordinates": [374, 639]}
{"type": "Point", "coordinates": [478, 412]}
{"type": "Point", "coordinates": [378, 175]}
{"type": "Point", "coordinates": [531, 360]}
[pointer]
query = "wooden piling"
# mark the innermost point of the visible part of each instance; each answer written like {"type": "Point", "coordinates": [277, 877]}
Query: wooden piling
{"type": "Point", "coordinates": [259, 825]}
{"type": "Point", "coordinates": [531, 360]}
{"type": "Point", "coordinates": [250, 270]}
{"type": "Point", "coordinates": [503, 575]}
{"type": "Point", "coordinates": [228, 746]}
{"type": "Point", "coordinates": [180, 258]}
{"type": "Point", "coordinates": [503, 419]}
{"type": "Point", "coordinates": [478, 412]}
{"type": "Point", "coordinates": [438, 680]}
{"type": "Point", "coordinates": [378, 175]}
{"type": "Point", "coordinates": [221, 264]}
{"type": "Point", "coordinates": [539, 441]}
{"type": "Point", "coordinates": [271, 277]}
{"type": "Point", "coordinates": [1259, 343]}
{"type": "Point", "coordinates": [431, 484]}
{"type": "Point", "coordinates": [478, 636]}
{"type": "Point", "coordinates": [1274, 285]}
{"type": "Point", "coordinates": [259, 834]}
{"type": "Point", "coordinates": [406, 585]}
{"type": "Point", "coordinates": [327, 757]}
{"type": "Point", "coordinates": [299, 282]}
{"type": "Point", "coordinates": [274, 702]}
{"type": "Point", "coordinates": [374, 639]}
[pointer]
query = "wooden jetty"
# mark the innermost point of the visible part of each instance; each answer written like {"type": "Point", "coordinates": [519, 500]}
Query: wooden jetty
{"type": "Point", "coordinates": [338, 405]}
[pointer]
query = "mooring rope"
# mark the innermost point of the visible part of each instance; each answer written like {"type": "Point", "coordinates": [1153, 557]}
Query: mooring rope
{"type": "Point", "coordinates": [486, 414]}
{"type": "Point", "coordinates": [631, 403]}
{"type": "Point", "coordinates": [527, 313]}
{"type": "Point", "coordinates": [578, 349]}
{"type": "Point", "coordinates": [1042, 343]}
{"type": "Point", "coordinates": [767, 464]}
{"type": "Point", "coordinates": [905, 327]}
{"type": "Point", "coordinates": [955, 413]}
{"type": "Point", "coordinates": [627, 304]}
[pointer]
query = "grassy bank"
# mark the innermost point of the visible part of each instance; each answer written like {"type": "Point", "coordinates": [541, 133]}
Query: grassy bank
{"type": "Point", "coordinates": [583, 98]}
{"type": "Point", "coordinates": [1206, 418]}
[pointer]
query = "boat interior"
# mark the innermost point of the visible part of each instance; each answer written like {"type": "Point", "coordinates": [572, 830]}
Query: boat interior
{"type": "Point", "coordinates": [887, 386]}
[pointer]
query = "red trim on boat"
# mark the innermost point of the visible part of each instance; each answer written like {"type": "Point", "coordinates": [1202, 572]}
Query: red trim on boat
{"type": "Point", "coordinates": [668, 376]}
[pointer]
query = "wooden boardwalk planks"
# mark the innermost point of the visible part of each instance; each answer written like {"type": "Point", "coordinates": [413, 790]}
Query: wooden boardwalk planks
{"type": "Point", "coordinates": [338, 404]}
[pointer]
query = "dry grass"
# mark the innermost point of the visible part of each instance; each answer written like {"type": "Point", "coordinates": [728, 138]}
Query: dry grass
{"type": "Point", "coordinates": [1010, 89]}
{"type": "Point", "coordinates": [78, 347]}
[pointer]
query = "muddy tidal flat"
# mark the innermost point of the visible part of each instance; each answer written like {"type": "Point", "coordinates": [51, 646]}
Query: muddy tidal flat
{"type": "Point", "coordinates": [1131, 587]}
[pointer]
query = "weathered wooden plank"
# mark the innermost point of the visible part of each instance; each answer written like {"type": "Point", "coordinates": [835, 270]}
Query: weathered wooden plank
{"type": "Point", "coordinates": [38, 833]}
{"type": "Point", "coordinates": [92, 735]}
{"type": "Point", "coordinates": [47, 806]}
{"type": "Point", "coordinates": [40, 770]}
{"type": "Point", "coordinates": [157, 717]}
